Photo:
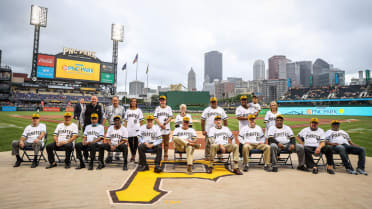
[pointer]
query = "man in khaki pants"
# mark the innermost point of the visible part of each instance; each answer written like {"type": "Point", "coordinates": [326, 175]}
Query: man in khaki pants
{"type": "Point", "coordinates": [252, 137]}
{"type": "Point", "coordinates": [185, 141]}
{"type": "Point", "coordinates": [219, 136]}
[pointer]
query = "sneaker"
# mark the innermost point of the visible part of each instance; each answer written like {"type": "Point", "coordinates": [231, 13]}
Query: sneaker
{"type": "Point", "coordinates": [157, 169]}
{"type": "Point", "coordinates": [302, 168]}
{"type": "Point", "coordinates": [267, 168]}
{"type": "Point", "coordinates": [330, 171]}
{"type": "Point", "coordinates": [34, 164]}
{"type": "Point", "coordinates": [274, 169]}
{"type": "Point", "coordinates": [245, 169]}
{"type": "Point", "coordinates": [209, 170]}
{"type": "Point", "coordinates": [51, 165]}
{"type": "Point", "coordinates": [315, 170]}
{"type": "Point", "coordinates": [17, 163]}
{"type": "Point", "coordinates": [237, 171]}
{"type": "Point", "coordinates": [350, 171]}
{"type": "Point", "coordinates": [361, 171]}
{"type": "Point", "coordinates": [100, 165]}
{"type": "Point", "coordinates": [125, 167]}
{"type": "Point", "coordinates": [68, 165]}
{"type": "Point", "coordinates": [143, 168]}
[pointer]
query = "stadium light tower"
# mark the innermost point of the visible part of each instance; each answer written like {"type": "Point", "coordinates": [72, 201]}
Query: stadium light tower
{"type": "Point", "coordinates": [38, 19]}
{"type": "Point", "coordinates": [117, 34]}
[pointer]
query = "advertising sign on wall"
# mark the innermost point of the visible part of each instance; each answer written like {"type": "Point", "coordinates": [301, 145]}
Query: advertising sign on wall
{"type": "Point", "coordinates": [79, 70]}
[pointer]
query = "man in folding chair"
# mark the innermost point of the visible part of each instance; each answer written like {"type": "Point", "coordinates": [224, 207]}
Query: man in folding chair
{"type": "Point", "coordinates": [150, 138]}
{"type": "Point", "coordinates": [219, 137]}
{"type": "Point", "coordinates": [63, 136]}
{"type": "Point", "coordinates": [252, 137]}
{"type": "Point", "coordinates": [116, 140]}
{"type": "Point", "coordinates": [341, 143]}
{"type": "Point", "coordinates": [280, 138]}
{"type": "Point", "coordinates": [313, 139]}
{"type": "Point", "coordinates": [185, 141]}
{"type": "Point", "coordinates": [92, 140]}
{"type": "Point", "coordinates": [32, 136]}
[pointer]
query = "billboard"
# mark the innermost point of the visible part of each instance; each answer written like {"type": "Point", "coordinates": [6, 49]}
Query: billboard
{"type": "Point", "coordinates": [107, 78]}
{"type": "Point", "coordinates": [78, 70]}
{"type": "Point", "coordinates": [349, 111]}
{"type": "Point", "coordinates": [45, 72]}
{"type": "Point", "coordinates": [107, 67]}
{"type": "Point", "coordinates": [45, 60]}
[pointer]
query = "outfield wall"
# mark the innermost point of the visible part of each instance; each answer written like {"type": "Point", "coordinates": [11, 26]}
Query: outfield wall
{"type": "Point", "coordinates": [327, 110]}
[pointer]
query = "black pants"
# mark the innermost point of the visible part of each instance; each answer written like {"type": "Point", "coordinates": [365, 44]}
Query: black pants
{"type": "Point", "coordinates": [346, 149]}
{"type": "Point", "coordinates": [142, 150]}
{"type": "Point", "coordinates": [133, 144]}
{"type": "Point", "coordinates": [93, 148]}
{"type": "Point", "coordinates": [309, 151]}
{"type": "Point", "coordinates": [68, 148]}
{"type": "Point", "coordinates": [123, 148]}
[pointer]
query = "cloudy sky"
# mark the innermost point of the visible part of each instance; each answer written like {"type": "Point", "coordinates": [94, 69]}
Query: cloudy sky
{"type": "Point", "coordinates": [172, 36]}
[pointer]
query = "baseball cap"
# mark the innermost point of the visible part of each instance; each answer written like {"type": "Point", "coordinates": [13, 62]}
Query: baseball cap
{"type": "Point", "coordinates": [280, 116]}
{"type": "Point", "coordinates": [35, 115]}
{"type": "Point", "coordinates": [335, 122]}
{"type": "Point", "coordinates": [186, 119]}
{"type": "Point", "coordinates": [243, 98]}
{"type": "Point", "coordinates": [217, 117]}
{"type": "Point", "coordinates": [314, 120]}
{"type": "Point", "coordinates": [213, 99]}
{"type": "Point", "coordinates": [94, 115]}
{"type": "Point", "coordinates": [149, 117]}
{"type": "Point", "coordinates": [163, 97]}
{"type": "Point", "coordinates": [251, 117]}
{"type": "Point", "coordinates": [67, 114]}
{"type": "Point", "coordinates": [117, 116]}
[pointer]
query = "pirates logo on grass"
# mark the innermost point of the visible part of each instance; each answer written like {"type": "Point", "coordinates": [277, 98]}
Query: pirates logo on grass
{"type": "Point", "coordinates": [143, 187]}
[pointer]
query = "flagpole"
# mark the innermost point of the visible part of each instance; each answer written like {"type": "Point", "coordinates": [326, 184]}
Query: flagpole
{"type": "Point", "coordinates": [126, 77]}
{"type": "Point", "coordinates": [137, 67]}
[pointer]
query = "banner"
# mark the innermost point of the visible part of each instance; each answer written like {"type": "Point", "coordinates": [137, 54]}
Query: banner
{"type": "Point", "coordinates": [79, 70]}
{"type": "Point", "coordinates": [348, 111]}
{"type": "Point", "coordinates": [44, 72]}
{"type": "Point", "coordinates": [45, 60]}
{"type": "Point", "coordinates": [8, 108]}
{"type": "Point", "coordinates": [51, 109]}
{"type": "Point", "coordinates": [107, 78]}
{"type": "Point", "coordinates": [107, 67]}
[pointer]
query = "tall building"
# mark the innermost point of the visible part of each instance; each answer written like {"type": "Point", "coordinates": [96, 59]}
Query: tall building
{"type": "Point", "coordinates": [274, 89]}
{"type": "Point", "coordinates": [191, 81]}
{"type": "Point", "coordinates": [212, 66]}
{"type": "Point", "coordinates": [293, 74]}
{"type": "Point", "coordinates": [224, 89]}
{"type": "Point", "coordinates": [256, 87]}
{"type": "Point", "coordinates": [336, 77]}
{"type": "Point", "coordinates": [259, 70]}
{"type": "Point", "coordinates": [305, 72]}
{"type": "Point", "coordinates": [321, 73]}
{"type": "Point", "coordinates": [136, 88]}
{"type": "Point", "coordinates": [277, 67]}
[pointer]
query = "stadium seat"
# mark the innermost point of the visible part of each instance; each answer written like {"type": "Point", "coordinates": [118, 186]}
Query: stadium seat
{"type": "Point", "coordinates": [30, 157]}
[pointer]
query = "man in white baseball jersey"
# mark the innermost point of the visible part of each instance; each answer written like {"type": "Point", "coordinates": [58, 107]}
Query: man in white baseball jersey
{"type": "Point", "coordinates": [281, 137]}
{"type": "Point", "coordinates": [341, 143]}
{"type": "Point", "coordinates": [32, 136]}
{"type": "Point", "coordinates": [313, 139]}
{"type": "Point", "coordinates": [254, 107]}
{"type": "Point", "coordinates": [242, 113]}
{"type": "Point", "coordinates": [207, 122]}
{"type": "Point", "coordinates": [116, 140]}
{"type": "Point", "coordinates": [163, 116]}
{"type": "Point", "coordinates": [150, 140]}
{"type": "Point", "coordinates": [220, 136]}
{"type": "Point", "coordinates": [92, 140]}
{"type": "Point", "coordinates": [252, 137]}
{"type": "Point", "coordinates": [109, 113]}
{"type": "Point", "coordinates": [185, 141]}
{"type": "Point", "coordinates": [64, 136]}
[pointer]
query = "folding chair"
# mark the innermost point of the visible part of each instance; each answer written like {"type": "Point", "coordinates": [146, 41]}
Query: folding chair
{"type": "Point", "coordinates": [151, 160]}
{"type": "Point", "coordinates": [285, 161]}
{"type": "Point", "coordinates": [319, 161]}
{"type": "Point", "coordinates": [223, 159]}
{"type": "Point", "coordinates": [256, 160]}
{"type": "Point", "coordinates": [60, 159]}
{"type": "Point", "coordinates": [114, 161]}
{"type": "Point", "coordinates": [338, 161]}
{"type": "Point", "coordinates": [31, 157]}
{"type": "Point", "coordinates": [178, 158]}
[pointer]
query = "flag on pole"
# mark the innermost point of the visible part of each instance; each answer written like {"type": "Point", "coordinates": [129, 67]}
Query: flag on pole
{"type": "Point", "coordinates": [147, 70]}
{"type": "Point", "coordinates": [135, 59]}
{"type": "Point", "coordinates": [124, 67]}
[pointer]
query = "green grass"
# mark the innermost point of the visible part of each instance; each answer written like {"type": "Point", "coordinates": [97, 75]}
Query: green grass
{"type": "Point", "coordinates": [360, 131]}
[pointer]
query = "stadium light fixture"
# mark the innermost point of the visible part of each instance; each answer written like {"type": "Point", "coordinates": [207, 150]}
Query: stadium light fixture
{"type": "Point", "coordinates": [38, 18]}
{"type": "Point", "coordinates": [117, 32]}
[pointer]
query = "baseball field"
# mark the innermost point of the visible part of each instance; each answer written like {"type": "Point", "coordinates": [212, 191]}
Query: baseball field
{"type": "Point", "coordinates": [112, 187]}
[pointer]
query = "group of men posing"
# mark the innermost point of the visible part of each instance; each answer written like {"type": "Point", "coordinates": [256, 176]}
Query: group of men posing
{"type": "Point", "coordinates": [151, 138]}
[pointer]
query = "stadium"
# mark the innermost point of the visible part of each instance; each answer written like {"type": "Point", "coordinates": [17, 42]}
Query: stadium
{"type": "Point", "coordinates": [57, 83]}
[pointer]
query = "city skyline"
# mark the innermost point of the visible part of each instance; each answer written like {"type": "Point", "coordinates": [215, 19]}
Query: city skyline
{"type": "Point", "coordinates": [178, 43]}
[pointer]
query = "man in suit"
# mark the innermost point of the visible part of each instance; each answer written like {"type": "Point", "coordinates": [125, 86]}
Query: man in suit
{"type": "Point", "coordinates": [77, 111]}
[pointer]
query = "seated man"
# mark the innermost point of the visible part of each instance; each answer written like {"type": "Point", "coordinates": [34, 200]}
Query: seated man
{"type": "Point", "coordinates": [341, 143]}
{"type": "Point", "coordinates": [252, 137]}
{"type": "Point", "coordinates": [185, 141]}
{"type": "Point", "coordinates": [116, 140]}
{"type": "Point", "coordinates": [314, 142]}
{"type": "Point", "coordinates": [219, 137]}
{"type": "Point", "coordinates": [150, 138]}
{"type": "Point", "coordinates": [92, 139]}
{"type": "Point", "coordinates": [33, 136]}
{"type": "Point", "coordinates": [63, 136]}
{"type": "Point", "coordinates": [281, 137]}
